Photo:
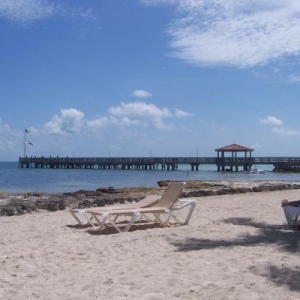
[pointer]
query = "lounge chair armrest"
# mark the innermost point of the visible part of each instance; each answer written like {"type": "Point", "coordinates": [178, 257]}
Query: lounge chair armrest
{"type": "Point", "coordinates": [186, 202]}
{"type": "Point", "coordinates": [183, 203]}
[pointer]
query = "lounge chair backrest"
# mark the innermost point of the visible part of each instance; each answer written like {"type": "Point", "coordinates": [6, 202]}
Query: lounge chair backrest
{"type": "Point", "coordinates": [170, 195]}
{"type": "Point", "coordinates": [147, 201]}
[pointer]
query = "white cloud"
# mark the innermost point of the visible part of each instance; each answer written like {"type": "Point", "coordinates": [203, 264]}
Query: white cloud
{"type": "Point", "coordinates": [138, 113]}
{"type": "Point", "coordinates": [8, 139]}
{"type": "Point", "coordinates": [148, 114]}
{"type": "Point", "coordinates": [178, 113]}
{"type": "Point", "coordinates": [24, 10]}
{"type": "Point", "coordinates": [141, 94]}
{"type": "Point", "coordinates": [294, 78]}
{"type": "Point", "coordinates": [140, 109]}
{"type": "Point", "coordinates": [100, 122]}
{"type": "Point", "coordinates": [124, 115]}
{"type": "Point", "coordinates": [128, 122]}
{"type": "Point", "coordinates": [5, 128]}
{"type": "Point", "coordinates": [69, 121]}
{"type": "Point", "coordinates": [271, 120]}
{"type": "Point", "coordinates": [6, 145]}
{"type": "Point", "coordinates": [30, 10]}
{"type": "Point", "coordinates": [283, 131]}
{"type": "Point", "coordinates": [110, 121]}
{"type": "Point", "coordinates": [241, 33]}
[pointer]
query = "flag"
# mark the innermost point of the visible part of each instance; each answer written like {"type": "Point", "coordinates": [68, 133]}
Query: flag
{"type": "Point", "coordinates": [26, 131]}
{"type": "Point", "coordinates": [30, 143]}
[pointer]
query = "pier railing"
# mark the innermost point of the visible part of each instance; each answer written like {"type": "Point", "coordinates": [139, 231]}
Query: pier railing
{"type": "Point", "coordinates": [154, 163]}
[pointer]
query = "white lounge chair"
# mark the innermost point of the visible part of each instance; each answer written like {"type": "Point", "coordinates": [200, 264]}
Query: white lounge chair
{"type": "Point", "coordinates": [167, 206]}
{"type": "Point", "coordinates": [83, 217]}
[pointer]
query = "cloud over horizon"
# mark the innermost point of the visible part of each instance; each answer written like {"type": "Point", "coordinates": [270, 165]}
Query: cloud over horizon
{"type": "Point", "coordinates": [139, 113]}
{"type": "Point", "coordinates": [283, 131]}
{"type": "Point", "coordinates": [278, 129]}
{"type": "Point", "coordinates": [71, 120]}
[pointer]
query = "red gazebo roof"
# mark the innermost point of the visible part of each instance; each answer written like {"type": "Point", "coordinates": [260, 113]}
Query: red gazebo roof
{"type": "Point", "coordinates": [234, 147]}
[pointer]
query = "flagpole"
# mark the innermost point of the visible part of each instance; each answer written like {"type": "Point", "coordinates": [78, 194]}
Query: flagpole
{"type": "Point", "coordinates": [25, 131]}
{"type": "Point", "coordinates": [25, 141]}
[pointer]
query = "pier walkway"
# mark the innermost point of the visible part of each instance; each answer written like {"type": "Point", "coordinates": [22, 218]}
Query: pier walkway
{"type": "Point", "coordinates": [158, 163]}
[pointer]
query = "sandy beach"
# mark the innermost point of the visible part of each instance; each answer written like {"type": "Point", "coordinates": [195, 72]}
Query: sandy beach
{"type": "Point", "coordinates": [235, 247]}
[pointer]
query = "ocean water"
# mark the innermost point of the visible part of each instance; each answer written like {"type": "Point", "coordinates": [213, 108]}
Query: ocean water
{"type": "Point", "coordinates": [15, 179]}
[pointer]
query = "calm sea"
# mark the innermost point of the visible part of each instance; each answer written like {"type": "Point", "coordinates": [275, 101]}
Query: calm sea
{"type": "Point", "coordinates": [15, 179]}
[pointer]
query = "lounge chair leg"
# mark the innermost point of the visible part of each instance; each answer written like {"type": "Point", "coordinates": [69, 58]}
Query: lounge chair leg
{"type": "Point", "coordinates": [77, 219]}
{"type": "Point", "coordinates": [145, 216]}
{"type": "Point", "coordinates": [157, 218]}
{"type": "Point", "coordinates": [134, 216]}
{"type": "Point", "coordinates": [193, 205]}
{"type": "Point", "coordinates": [88, 219]}
{"type": "Point", "coordinates": [171, 214]}
{"type": "Point", "coordinates": [84, 215]}
{"type": "Point", "coordinates": [101, 222]}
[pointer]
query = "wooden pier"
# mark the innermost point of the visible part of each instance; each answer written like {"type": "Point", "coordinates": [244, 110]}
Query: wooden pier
{"type": "Point", "coordinates": [159, 163]}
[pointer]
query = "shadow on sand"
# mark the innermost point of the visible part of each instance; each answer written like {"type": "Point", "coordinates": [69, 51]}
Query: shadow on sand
{"type": "Point", "coordinates": [283, 238]}
{"type": "Point", "coordinates": [111, 230]}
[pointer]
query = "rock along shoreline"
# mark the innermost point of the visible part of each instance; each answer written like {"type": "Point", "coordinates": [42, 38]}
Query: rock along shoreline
{"type": "Point", "coordinates": [12, 204]}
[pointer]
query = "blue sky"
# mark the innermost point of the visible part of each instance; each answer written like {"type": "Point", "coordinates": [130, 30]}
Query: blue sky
{"type": "Point", "coordinates": [149, 77]}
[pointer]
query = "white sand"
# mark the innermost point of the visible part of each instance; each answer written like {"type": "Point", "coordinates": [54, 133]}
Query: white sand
{"type": "Point", "coordinates": [235, 247]}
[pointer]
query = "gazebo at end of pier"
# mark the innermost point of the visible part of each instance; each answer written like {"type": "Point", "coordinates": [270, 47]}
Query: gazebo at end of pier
{"type": "Point", "coordinates": [235, 160]}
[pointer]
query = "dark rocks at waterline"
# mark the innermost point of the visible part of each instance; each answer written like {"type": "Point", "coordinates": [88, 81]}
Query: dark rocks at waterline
{"type": "Point", "coordinates": [201, 188]}
{"type": "Point", "coordinates": [237, 188]}
{"type": "Point", "coordinates": [23, 206]}
{"type": "Point", "coordinates": [20, 204]}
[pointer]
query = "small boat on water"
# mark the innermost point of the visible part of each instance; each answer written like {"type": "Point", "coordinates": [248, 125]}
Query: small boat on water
{"type": "Point", "coordinates": [254, 171]}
